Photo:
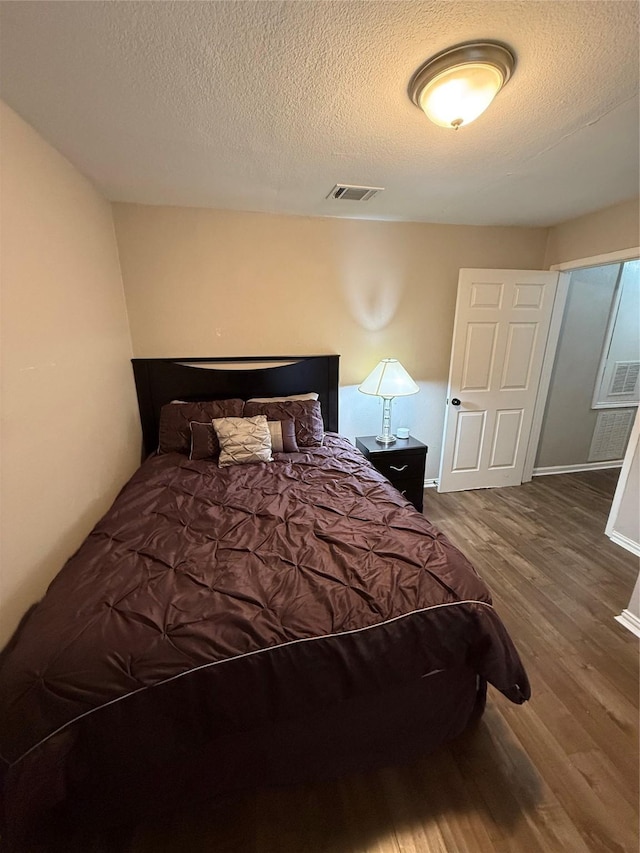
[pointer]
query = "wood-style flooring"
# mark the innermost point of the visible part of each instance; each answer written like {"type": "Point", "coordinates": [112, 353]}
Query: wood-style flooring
{"type": "Point", "coordinates": [557, 774]}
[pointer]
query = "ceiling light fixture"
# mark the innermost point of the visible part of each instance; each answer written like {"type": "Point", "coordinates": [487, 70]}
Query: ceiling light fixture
{"type": "Point", "coordinates": [456, 86]}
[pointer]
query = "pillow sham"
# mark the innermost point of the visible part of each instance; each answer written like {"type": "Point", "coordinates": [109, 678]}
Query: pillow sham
{"type": "Point", "coordinates": [174, 432]}
{"type": "Point", "coordinates": [283, 436]}
{"type": "Point", "coordinates": [310, 396]}
{"type": "Point", "coordinates": [243, 440]}
{"type": "Point", "coordinates": [306, 414]}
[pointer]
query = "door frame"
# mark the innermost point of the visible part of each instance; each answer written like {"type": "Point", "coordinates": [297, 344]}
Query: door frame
{"type": "Point", "coordinates": [565, 269]}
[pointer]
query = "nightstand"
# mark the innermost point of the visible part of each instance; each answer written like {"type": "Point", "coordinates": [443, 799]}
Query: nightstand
{"type": "Point", "coordinates": [401, 463]}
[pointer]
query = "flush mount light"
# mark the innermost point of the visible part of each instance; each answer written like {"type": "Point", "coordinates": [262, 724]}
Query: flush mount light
{"type": "Point", "coordinates": [456, 86]}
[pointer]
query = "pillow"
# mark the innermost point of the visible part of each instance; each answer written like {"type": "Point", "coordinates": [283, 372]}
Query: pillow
{"type": "Point", "coordinates": [205, 445]}
{"type": "Point", "coordinates": [306, 414]}
{"type": "Point", "coordinates": [243, 440]}
{"type": "Point", "coordinates": [310, 396]}
{"type": "Point", "coordinates": [283, 436]}
{"type": "Point", "coordinates": [204, 441]}
{"type": "Point", "coordinates": [174, 433]}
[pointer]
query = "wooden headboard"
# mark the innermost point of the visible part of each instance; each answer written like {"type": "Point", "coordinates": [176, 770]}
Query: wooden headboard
{"type": "Point", "coordinates": [161, 380]}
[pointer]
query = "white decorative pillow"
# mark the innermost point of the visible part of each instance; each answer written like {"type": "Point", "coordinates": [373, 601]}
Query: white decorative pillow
{"type": "Point", "coordinates": [243, 440]}
{"type": "Point", "coordinates": [310, 396]}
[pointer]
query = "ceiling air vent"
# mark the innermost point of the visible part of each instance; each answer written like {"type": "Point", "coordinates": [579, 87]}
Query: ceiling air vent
{"type": "Point", "coordinates": [347, 192]}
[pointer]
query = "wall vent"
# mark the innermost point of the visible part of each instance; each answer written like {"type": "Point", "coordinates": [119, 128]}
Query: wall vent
{"type": "Point", "coordinates": [611, 435]}
{"type": "Point", "coordinates": [625, 378]}
{"type": "Point", "coordinates": [348, 192]}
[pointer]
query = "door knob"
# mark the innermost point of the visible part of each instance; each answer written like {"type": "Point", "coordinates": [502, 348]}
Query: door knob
{"type": "Point", "coordinates": [455, 402]}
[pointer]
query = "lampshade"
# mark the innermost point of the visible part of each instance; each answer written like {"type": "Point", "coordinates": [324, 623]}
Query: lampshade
{"type": "Point", "coordinates": [456, 86]}
{"type": "Point", "coordinates": [389, 379]}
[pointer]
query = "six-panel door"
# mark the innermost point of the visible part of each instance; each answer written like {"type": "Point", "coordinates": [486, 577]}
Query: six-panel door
{"type": "Point", "coordinates": [500, 334]}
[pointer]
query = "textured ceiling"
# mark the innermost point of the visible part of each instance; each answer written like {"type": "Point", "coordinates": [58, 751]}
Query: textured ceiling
{"type": "Point", "coordinates": [267, 105]}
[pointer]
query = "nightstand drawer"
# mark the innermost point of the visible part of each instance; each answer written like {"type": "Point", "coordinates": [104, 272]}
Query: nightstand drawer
{"type": "Point", "coordinates": [412, 490]}
{"type": "Point", "coordinates": [400, 466]}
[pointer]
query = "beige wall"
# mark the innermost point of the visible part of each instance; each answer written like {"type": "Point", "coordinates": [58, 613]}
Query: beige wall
{"type": "Point", "coordinates": [608, 230]}
{"type": "Point", "coordinates": [70, 434]}
{"type": "Point", "coordinates": [202, 282]}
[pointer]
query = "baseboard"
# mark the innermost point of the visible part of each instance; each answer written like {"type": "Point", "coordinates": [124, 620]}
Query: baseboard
{"type": "Point", "coordinates": [431, 483]}
{"type": "Point", "coordinates": [630, 621]}
{"type": "Point", "coordinates": [625, 542]}
{"type": "Point", "coordinates": [573, 469]}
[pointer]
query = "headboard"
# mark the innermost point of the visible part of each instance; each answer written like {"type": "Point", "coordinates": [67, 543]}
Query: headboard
{"type": "Point", "coordinates": [160, 380]}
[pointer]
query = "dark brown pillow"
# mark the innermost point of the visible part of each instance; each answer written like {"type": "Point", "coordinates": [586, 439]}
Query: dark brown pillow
{"type": "Point", "coordinates": [283, 436]}
{"type": "Point", "coordinates": [174, 434]}
{"type": "Point", "coordinates": [306, 415]}
{"type": "Point", "coordinates": [204, 441]}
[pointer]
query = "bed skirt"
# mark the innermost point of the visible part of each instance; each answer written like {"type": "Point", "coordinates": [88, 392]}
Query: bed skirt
{"type": "Point", "coordinates": [119, 777]}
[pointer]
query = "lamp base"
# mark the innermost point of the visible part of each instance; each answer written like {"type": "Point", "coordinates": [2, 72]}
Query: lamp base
{"type": "Point", "coordinates": [385, 436]}
{"type": "Point", "coordinates": [386, 439]}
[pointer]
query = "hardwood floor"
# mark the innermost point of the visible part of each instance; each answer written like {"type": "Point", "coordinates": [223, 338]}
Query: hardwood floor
{"type": "Point", "coordinates": [557, 774]}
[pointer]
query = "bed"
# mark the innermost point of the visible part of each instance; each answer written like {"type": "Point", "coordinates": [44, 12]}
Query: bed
{"type": "Point", "coordinates": [232, 627]}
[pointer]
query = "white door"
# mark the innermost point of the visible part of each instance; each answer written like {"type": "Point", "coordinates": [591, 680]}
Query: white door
{"type": "Point", "coordinates": [499, 339]}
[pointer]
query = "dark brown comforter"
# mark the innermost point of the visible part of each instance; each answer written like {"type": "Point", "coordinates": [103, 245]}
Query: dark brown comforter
{"type": "Point", "coordinates": [220, 598]}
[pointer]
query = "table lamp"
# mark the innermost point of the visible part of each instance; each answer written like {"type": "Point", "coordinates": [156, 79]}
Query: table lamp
{"type": "Point", "coordinates": [388, 379]}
